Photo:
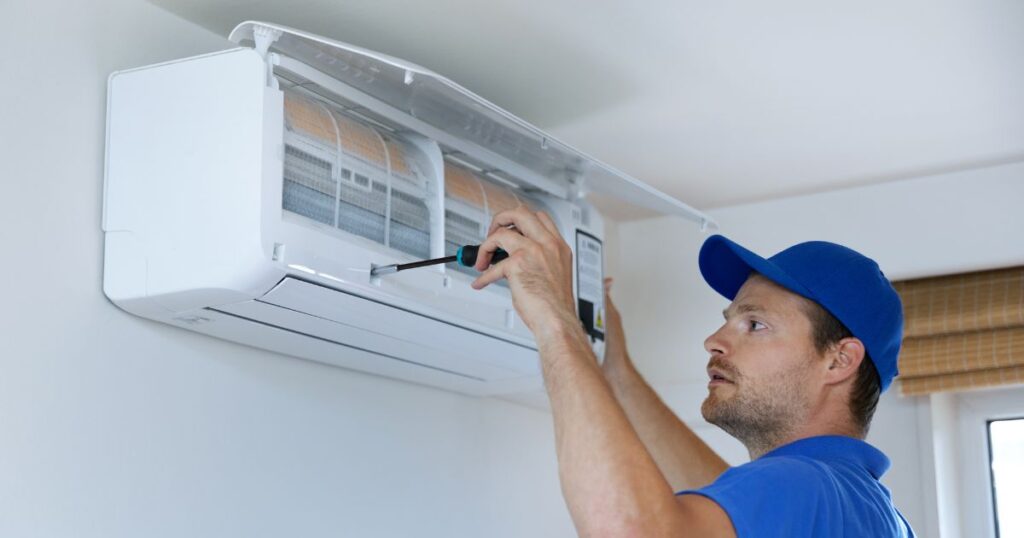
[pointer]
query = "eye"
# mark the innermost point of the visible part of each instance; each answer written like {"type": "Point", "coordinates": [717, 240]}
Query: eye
{"type": "Point", "coordinates": [755, 325]}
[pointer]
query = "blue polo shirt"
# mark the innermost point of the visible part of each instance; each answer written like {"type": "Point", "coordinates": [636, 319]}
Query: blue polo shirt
{"type": "Point", "coordinates": [819, 486]}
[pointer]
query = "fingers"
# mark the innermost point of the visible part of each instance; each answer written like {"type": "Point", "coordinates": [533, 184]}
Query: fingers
{"type": "Point", "coordinates": [508, 240]}
{"type": "Point", "coordinates": [608, 293]}
{"type": "Point", "coordinates": [523, 219]}
{"type": "Point", "coordinates": [545, 219]}
{"type": "Point", "coordinates": [536, 226]}
{"type": "Point", "coordinates": [513, 230]}
{"type": "Point", "coordinates": [491, 275]}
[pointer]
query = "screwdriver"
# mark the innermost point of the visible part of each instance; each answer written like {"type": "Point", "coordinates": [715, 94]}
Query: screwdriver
{"type": "Point", "coordinates": [465, 256]}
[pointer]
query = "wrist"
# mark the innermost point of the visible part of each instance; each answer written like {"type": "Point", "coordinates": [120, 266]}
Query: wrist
{"type": "Point", "coordinates": [618, 369]}
{"type": "Point", "coordinates": [558, 328]}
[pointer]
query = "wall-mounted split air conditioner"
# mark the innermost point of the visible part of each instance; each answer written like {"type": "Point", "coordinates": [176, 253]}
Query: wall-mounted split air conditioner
{"type": "Point", "coordinates": [249, 192]}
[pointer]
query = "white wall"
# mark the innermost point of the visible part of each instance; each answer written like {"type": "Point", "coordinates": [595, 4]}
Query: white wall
{"type": "Point", "coordinates": [111, 425]}
{"type": "Point", "coordinates": [949, 223]}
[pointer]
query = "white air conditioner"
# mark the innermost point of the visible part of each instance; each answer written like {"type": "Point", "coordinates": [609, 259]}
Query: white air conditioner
{"type": "Point", "coordinates": [249, 192]}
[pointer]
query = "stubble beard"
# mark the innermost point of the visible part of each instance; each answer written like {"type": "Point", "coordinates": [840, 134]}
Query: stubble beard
{"type": "Point", "coordinates": [760, 415]}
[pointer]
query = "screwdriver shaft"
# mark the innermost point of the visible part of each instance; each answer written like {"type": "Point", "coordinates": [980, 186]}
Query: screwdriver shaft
{"type": "Point", "coordinates": [466, 257]}
{"type": "Point", "coordinates": [424, 263]}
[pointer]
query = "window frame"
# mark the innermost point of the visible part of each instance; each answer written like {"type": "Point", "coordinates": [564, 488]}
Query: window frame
{"type": "Point", "coordinates": [976, 411]}
{"type": "Point", "coordinates": [992, 476]}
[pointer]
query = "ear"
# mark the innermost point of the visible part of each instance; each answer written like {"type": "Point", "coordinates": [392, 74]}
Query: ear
{"type": "Point", "coordinates": [844, 360]}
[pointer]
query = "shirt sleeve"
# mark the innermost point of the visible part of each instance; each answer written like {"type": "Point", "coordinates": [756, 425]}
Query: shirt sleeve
{"type": "Point", "coordinates": [784, 497]}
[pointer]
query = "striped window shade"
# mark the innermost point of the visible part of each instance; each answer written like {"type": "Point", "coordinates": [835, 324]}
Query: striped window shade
{"type": "Point", "coordinates": [962, 331]}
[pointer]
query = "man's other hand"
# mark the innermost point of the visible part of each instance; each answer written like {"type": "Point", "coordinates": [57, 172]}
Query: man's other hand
{"type": "Point", "coordinates": [615, 354]}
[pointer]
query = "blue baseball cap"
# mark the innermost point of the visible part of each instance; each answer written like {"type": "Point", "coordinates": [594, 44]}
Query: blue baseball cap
{"type": "Point", "coordinates": [843, 281]}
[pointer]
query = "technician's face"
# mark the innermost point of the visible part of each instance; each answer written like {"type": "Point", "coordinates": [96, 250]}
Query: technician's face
{"type": "Point", "coordinates": [760, 365]}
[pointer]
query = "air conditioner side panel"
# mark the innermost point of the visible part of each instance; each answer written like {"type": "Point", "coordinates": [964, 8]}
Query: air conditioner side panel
{"type": "Point", "coordinates": [188, 145]}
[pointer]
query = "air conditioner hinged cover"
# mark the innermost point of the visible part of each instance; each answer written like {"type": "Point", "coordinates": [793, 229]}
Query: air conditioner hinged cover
{"type": "Point", "coordinates": [458, 112]}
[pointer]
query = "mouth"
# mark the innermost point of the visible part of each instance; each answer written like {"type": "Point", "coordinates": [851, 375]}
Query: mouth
{"type": "Point", "coordinates": [717, 378]}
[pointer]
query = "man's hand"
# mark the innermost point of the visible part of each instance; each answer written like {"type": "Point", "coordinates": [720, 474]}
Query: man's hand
{"type": "Point", "coordinates": [615, 354]}
{"type": "Point", "coordinates": [538, 269]}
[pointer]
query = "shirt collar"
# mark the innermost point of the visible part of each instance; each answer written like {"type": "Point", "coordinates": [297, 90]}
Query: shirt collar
{"type": "Point", "coordinates": [836, 448]}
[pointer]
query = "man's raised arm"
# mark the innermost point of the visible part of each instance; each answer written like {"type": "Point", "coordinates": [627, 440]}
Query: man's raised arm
{"type": "Point", "coordinates": [685, 460]}
{"type": "Point", "coordinates": [610, 482]}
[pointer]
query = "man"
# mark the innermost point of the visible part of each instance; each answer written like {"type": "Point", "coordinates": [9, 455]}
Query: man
{"type": "Point", "coordinates": [809, 341]}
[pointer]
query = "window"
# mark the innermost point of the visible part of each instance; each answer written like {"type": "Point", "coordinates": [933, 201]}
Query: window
{"type": "Point", "coordinates": [979, 462]}
{"type": "Point", "coordinates": [1006, 458]}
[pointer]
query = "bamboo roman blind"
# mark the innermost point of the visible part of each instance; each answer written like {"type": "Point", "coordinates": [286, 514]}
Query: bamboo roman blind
{"type": "Point", "coordinates": [962, 331]}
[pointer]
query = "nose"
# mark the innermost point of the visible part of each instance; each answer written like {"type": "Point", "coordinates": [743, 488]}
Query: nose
{"type": "Point", "coordinates": [716, 344]}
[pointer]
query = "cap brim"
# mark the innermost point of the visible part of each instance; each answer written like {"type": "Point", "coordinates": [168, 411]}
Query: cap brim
{"type": "Point", "coordinates": [725, 266]}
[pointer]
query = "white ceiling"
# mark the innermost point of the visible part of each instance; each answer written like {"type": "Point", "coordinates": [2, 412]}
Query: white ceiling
{"type": "Point", "coordinates": [716, 103]}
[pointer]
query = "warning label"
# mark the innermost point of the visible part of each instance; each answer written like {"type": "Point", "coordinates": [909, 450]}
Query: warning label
{"type": "Point", "coordinates": [590, 283]}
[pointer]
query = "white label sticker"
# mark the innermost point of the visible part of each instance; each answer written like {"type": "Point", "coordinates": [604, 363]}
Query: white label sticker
{"type": "Point", "coordinates": [590, 276]}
